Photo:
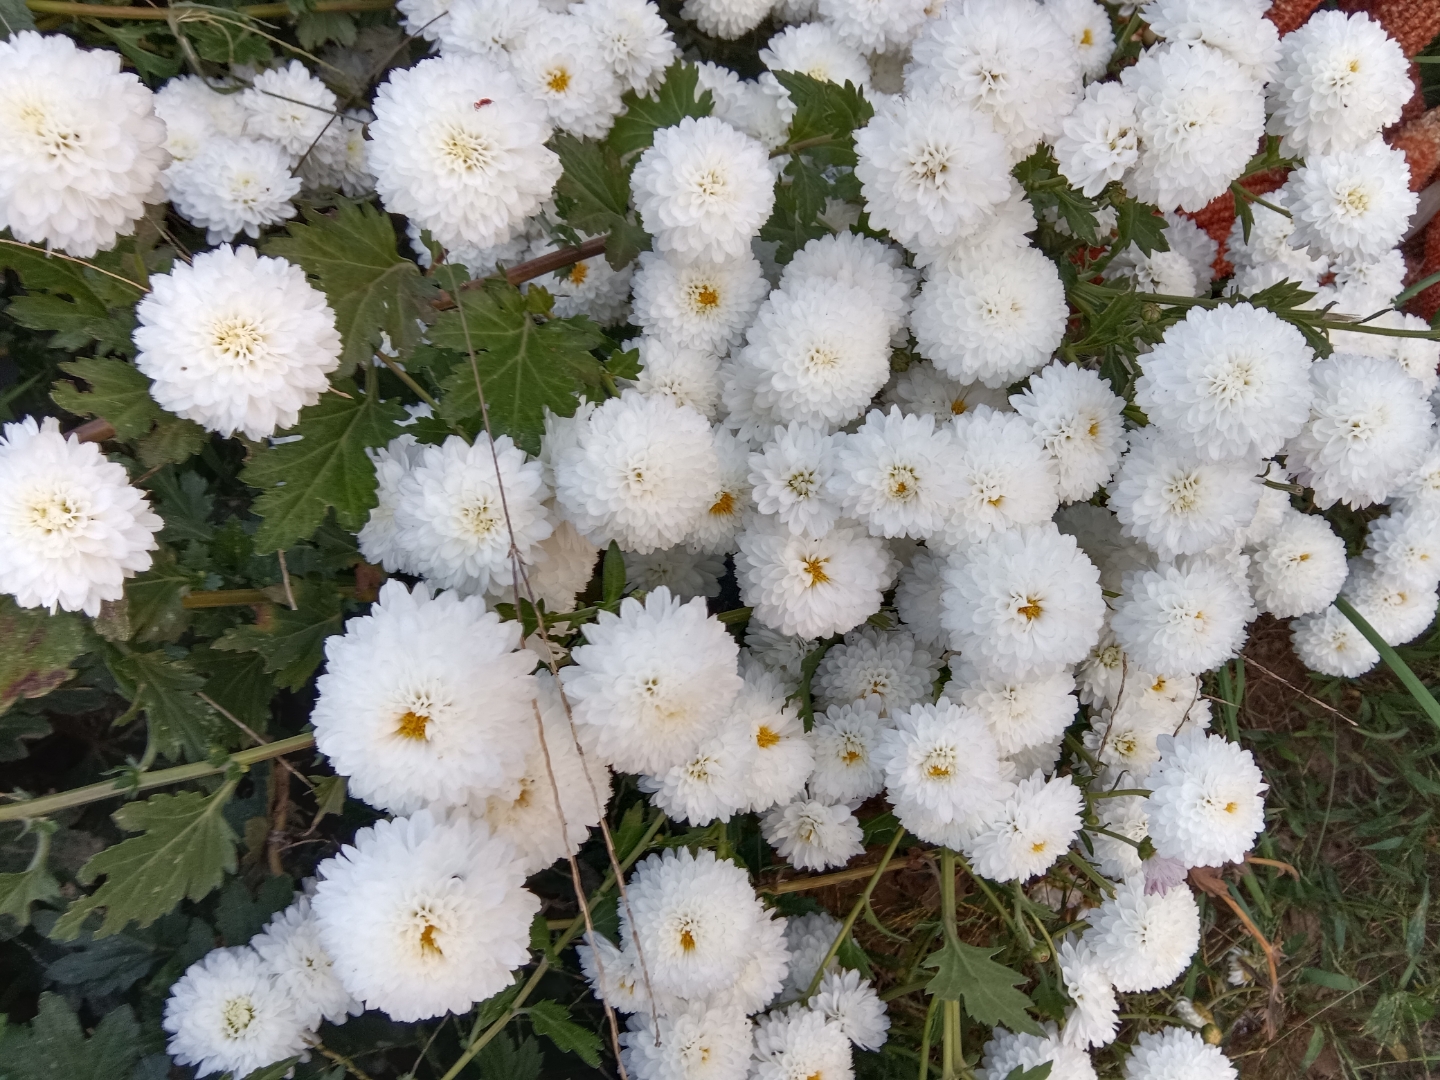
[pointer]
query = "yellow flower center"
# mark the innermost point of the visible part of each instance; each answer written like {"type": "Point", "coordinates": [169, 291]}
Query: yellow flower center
{"type": "Point", "coordinates": [766, 738]}
{"type": "Point", "coordinates": [815, 568]}
{"type": "Point", "coordinates": [412, 725]}
{"type": "Point", "coordinates": [558, 80]}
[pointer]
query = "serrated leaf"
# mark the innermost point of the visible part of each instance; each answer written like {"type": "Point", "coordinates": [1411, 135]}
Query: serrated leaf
{"type": "Point", "coordinates": [291, 643]}
{"type": "Point", "coordinates": [171, 441]}
{"type": "Point", "coordinates": [327, 468]}
{"type": "Point", "coordinates": [330, 792]}
{"type": "Point", "coordinates": [36, 649]}
{"type": "Point", "coordinates": [180, 724]}
{"type": "Point", "coordinates": [156, 599]}
{"type": "Point", "coordinates": [130, 40]}
{"type": "Point", "coordinates": [278, 1070]}
{"type": "Point", "coordinates": [677, 97]}
{"type": "Point", "coordinates": [185, 849]}
{"type": "Point", "coordinates": [1140, 224]}
{"type": "Point", "coordinates": [503, 1057]}
{"type": "Point", "coordinates": [356, 261]}
{"type": "Point", "coordinates": [593, 196]}
{"type": "Point", "coordinates": [239, 683]}
{"type": "Point", "coordinates": [14, 17]}
{"type": "Point", "coordinates": [119, 392]}
{"type": "Point", "coordinates": [78, 303]}
{"type": "Point", "coordinates": [32, 885]}
{"type": "Point", "coordinates": [612, 574]}
{"type": "Point", "coordinates": [526, 363]}
{"type": "Point", "coordinates": [826, 115]}
{"type": "Point", "coordinates": [55, 1046]}
{"type": "Point", "coordinates": [794, 221]}
{"type": "Point", "coordinates": [1039, 1072]}
{"type": "Point", "coordinates": [965, 973]}
{"type": "Point", "coordinates": [552, 1020]}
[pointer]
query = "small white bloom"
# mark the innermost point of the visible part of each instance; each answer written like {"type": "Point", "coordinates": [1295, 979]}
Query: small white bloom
{"type": "Point", "coordinates": [874, 27]}
{"type": "Point", "coordinates": [698, 305]}
{"type": "Point", "coordinates": [797, 1042]}
{"type": "Point", "coordinates": [922, 389]}
{"type": "Point", "coordinates": [699, 1042]}
{"type": "Point", "coordinates": [896, 474]}
{"type": "Point", "coordinates": [846, 740]}
{"type": "Point", "coordinates": [881, 668]}
{"type": "Point", "coordinates": [1088, 25]}
{"type": "Point", "coordinates": [678, 569]}
{"type": "Point", "coordinates": [232, 186]}
{"type": "Point", "coordinates": [791, 477]}
{"type": "Point", "coordinates": [1206, 803]}
{"type": "Point", "coordinates": [1237, 28]}
{"type": "Point", "coordinates": [1101, 139]}
{"type": "Point", "coordinates": [289, 107]}
{"type": "Point", "coordinates": [1144, 940]}
{"type": "Point", "coordinates": [844, 998]}
{"type": "Point", "coordinates": [917, 599]}
{"type": "Point", "coordinates": [811, 586]}
{"type": "Point", "coordinates": [1020, 714]}
{"type": "Point", "coordinates": [290, 946]}
{"type": "Point", "coordinates": [1007, 1051]}
{"type": "Point", "coordinates": [726, 19]}
{"type": "Point", "coordinates": [1174, 1052]}
{"type": "Point", "coordinates": [1353, 203]}
{"type": "Point", "coordinates": [1035, 827]}
{"type": "Point", "coordinates": [813, 835]}
{"type": "Point", "coordinates": [633, 39]}
{"type": "Point", "coordinates": [942, 759]}
{"type": "Point", "coordinates": [1329, 643]}
{"type": "Point", "coordinates": [1003, 477]}
{"type": "Point", "coordinates": [1183, 618]}
{"type": "Point", "coordinates": [1077, 417]}
{"type": "Point", "coordinates": [685, 375]}
{"type": "Point", "coordinates": [1298, 570]}
{"type": "Point", "coordinates": [561, 64]}
{"type": "Point", "coordinates": [1092, 1020]}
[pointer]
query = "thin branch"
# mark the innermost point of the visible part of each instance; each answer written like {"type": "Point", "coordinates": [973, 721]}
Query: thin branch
{"type": "Point", "coordinates": [71, 258]}
{"type": "Point", "coordinates": [1252, 662]}
{"type": "Point", "coordinates": [859, 905]}
{"type": "Point", "coordinates": [162, 14]}
{"type": "Point", "coordinates": [255, 736]}
{"type": "Point", "coordinates": [821, 881]}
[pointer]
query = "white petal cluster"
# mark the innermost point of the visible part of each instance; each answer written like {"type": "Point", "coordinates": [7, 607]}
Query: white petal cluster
{"type": "Point", "coordinates": [1206, 804]}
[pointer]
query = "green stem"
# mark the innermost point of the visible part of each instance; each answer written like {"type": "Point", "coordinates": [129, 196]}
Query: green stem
{"type": "Point", "coordinates": [1417, 689]}
{"type": "Point", "coordinates": [854, 914]}
{"type": "Point", "coordinates": [161, 14]}
{"type": "Point", "coordinates": [409, 380]}
{"type": "Point", "coordinates": [1249, 196]}
{"type": "Point", "coordinates": [64, 800]}
{"type": "Point", "coordinates": [478, 1040]}
{"type": "Point", "coordinates": [950, 1032]}
{"type": "Point", "coordinates": [925, 1039]}
{"type": "Point", "coordinates": [1000, 908]}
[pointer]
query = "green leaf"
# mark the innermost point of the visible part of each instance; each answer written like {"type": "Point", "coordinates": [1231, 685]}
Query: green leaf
{"type": "Point", "coordinates": [278, 1071]}
{"type": "Point", "coordinates": [227, 39]}
{"type": "Point", "coordinates": [526, 363]}
{"type": "Point", "coordinates": [238, 682]}
{"type": "Point", "coordinates": [119, 392]}
{"type": "Point", "coordinates": [172, 440]}
{"type": "Point", "coordinates": [291, 643]}
{"type": "Point", "coordinates": [14, 17]}
{"type": "Point", "coordinates": [16, 728]}
{"type": "Point", "coordinates": [330, 794]}
{"type": "Point", "coordinates": [1331, 980]}
{"type": "Point", "coordinates": [593, 196]}
{"type": "Point", "coordinates": [624, 364]}
{"type": "Point", "coordinates": [826, 114]}
{"type": "Point", "coordinates": [677, 97]}
{"type": "Point", "coordinates": [355, 259]}
{"type": "Point", "coordinates": [1416, 924]}
{"type": "Point", "coordinates": [180, 725]}
{"type": "Point", "coordinates": [612, 574]}
{"type": "Point", "coordinates": [36, 650]}
{"type": "Point", "coordinates": [130, 40]}
{"type": "Point", "coordinates": [1394, 1013]}
{"type": "Point", "coordinates": [32, 885]}
{"type": "Point", "coordinates": [505, 1059]}
{"type": "Point", "coordinates": [316, 28]}
{"type": "Point", "coordinates": [1313, 1049]}
{"type": "Point", "coordinates": [79, 303]}
{"type": "Point", "coordinates": [1039, 1072]}
{"type": "Point", "coordinates": [552, 1020]}
{"type": "Point", "coordinates": [185, 849]}
{"type": "Point", "coordinates": [327, 468]}
{"type": "Point", "coordinates": [1140, 224]}
{"type": "Point", "coordinates": [966, 973]}
{"type": "Point", "coordinates": [55, 1046]}
{"type": "Point", "coordinates": [240, 916]}
{"type": "Point", "coordinates": [155, 599]}
{"type": "Point", "coordinates": [794, 221]}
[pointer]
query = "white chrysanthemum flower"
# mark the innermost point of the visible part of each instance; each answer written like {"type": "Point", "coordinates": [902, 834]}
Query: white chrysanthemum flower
{"type": "Point", "coordinates": [424, 915]}
{"type": "Point", "coordinates": [687, 376]}
{"type": "Point", "coordinates": [1008, 59]}
{"type": "Point", "coordinates": [931, 172]}
{"type": "Point", "coordinates": [846, 740]}
{"type": "Point", "coordinates": [993, 320]}
{"type": "Point", "coordinates": [896, 474]}
{"type": "Point", "coordinates": [377, 539]}
{"type": "Point", "coordinates": [766, 965]}
{"type": "Point", "coordinates": [781, 654]}
{"type": "Point", "coordinates": [194, 113]}
{"type": "Point", "coordinates": [1099, 676]}
{"type": "Point", "coordinates": [691, 915]}
{"type": "Point", "coordinates": [1367, 431]}
{"type": "Point", "coordinates": [1006, 1051]}
{"type": "Point", "coordinates": [1237, 28]}
{"type": "Point", "coordinates": [1035, 827]}
{"type": "Point", "coordinates": [797, 1042]}
{"type": "Point", "coordinates": [1178, 503]}
{"type": "Point", "coordinates": [699, 1042]}
{"type": "Point", "coordinates": [424, 18]}
{"type": "Point", "coordinates": [851, 259]}
{"type": "Point", "coordinates": [874, 26]}
{"type": "Point", "coordinates": [1006, 229]}
{"type": "Point", "coordinates": [1199, 116]}
{"type": "Point", "coordinates": [1101, 138]}
{"type": "Point", "coordinates": [1023, 603]}
{"type": "Point", "coordinates": [782, 758]}
{"type": "Point", "coordinates": [697, 305]}
{"type": "Point", "coordinates": [1341, 80]}
{"type": "Point", "coordinates": [678, 569]}
{"type": "Point", "coordinates": [302, 969]}
{"type": "Point", "coordinates": [811, 834]}
{"type": "Point", "coordinates": [1300, 569]}
{"type": "Point", "coordinates": [559, 768]}
{"type": "Point", "coordinates": [565, 570]}
{"type": "Point", "coordinates": [1361, 288]}
{"type": "Point", "coordinates": [809, 938]}
{"type": "Point", "coordinates": [641, 473]}
{"type": "Point", "coordinates": [1019, 713]}
{"type": "Point", "coordinates": [232, 186]}
{"type": "Point", "coordinates": [921, 389]}
{"type": "Point", "coordinates": [1267, 256]}
{"type": "Point", "coordinates": [560, 64]}
{"type": "Point", "coordinates": [1124, 737]}
{"type": "Point", "coordinates": [917, 599]}
{"type": "Point", "coordinates": [289, 107]}
{"type": "Point", "coordinates": [1207, 802]}
{"type": "Point", "coordinates": [1187, 618]}
{"type": "Point", "coordinates": [730, 502]}
{"type": "Point", "coordinates": [1405, 547]}
{"type": "Point", "coordinates": [703, 189]}
{"type": "Point", "coordinates": [1144, 940]}
{"type": "Point", "coordinates": [1398, 611]}
{"type": "Point", "coordinates": [81, 149]}
{"type": "Point", "coordinates": [1077, 418]}
{"type": "Point", "coordinates": [815, 49]}
{"type": "Point", "coordinates": [1195, 244]}
{"type": "Point", "coordinates": [1092, 1020]}
{"type": "Point", "coordinates": [615, 976]}
{"type": "Point", "coordinates": [340, 161]}
{"type": "Point", "coordinates": [228, 1013]}
{"type": "Point", "coordinates": [726, 19]}
{"type": "Point", "coordinates": [1101, 537]}
{"type": "Point", "coordinates": [1230, 382]}
{"type": "Point", "coordinates": [588, 287]}
{"type": "Point", "coordinates": [811, 586]}
{"type": "Point", "coordinates": [943, 759]}
{"type": "Point", "coordinates": [1125, 816]}
{"type": "Point", "coordinates": [484, 28]}
{"type": "Point", "coordinates": [1090, 31]}
{"type": "Point", "coordinates": [817, 353]}
{"type": "Point", "coordinates": [847, 1000]}
{"type": "Point", "coordinates": [633, 40]}
{"type": "Point", "coordinates": [1421, 491]}
{"type": "Point", "coordinates": [1419, 357]}
{"type": "Point", "coordinates": [790, 478]}
{"type": "Point", "coordinates": [461, 507]}
{"type": "Point", "coordinates": [709, 785]}
{"type": "Point", "coordinates": [881, 668]}
{"type": "Point", "coordinates": [1166, 272]}
{"type": "Point", "coordinates": [1174, 1053]}
{"type": "Point", "coordinates": [71, 526]}
{"type": "Point", "coordinates": [459, 148]}
{"type": "Point", "coordinates": [1352, 203]}
{"type": "Point", "coordinates": [1329, 643]}
{"type": "Point", "coordinates": [425, 701]}
{"type": "Point", "coordinates": [654, 681]}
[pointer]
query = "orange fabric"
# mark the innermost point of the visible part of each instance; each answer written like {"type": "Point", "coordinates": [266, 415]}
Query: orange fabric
{"type": "Point", "coordinates": [1289, 14]}
{"type": "Point", "coordinates": [1419, 141]}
